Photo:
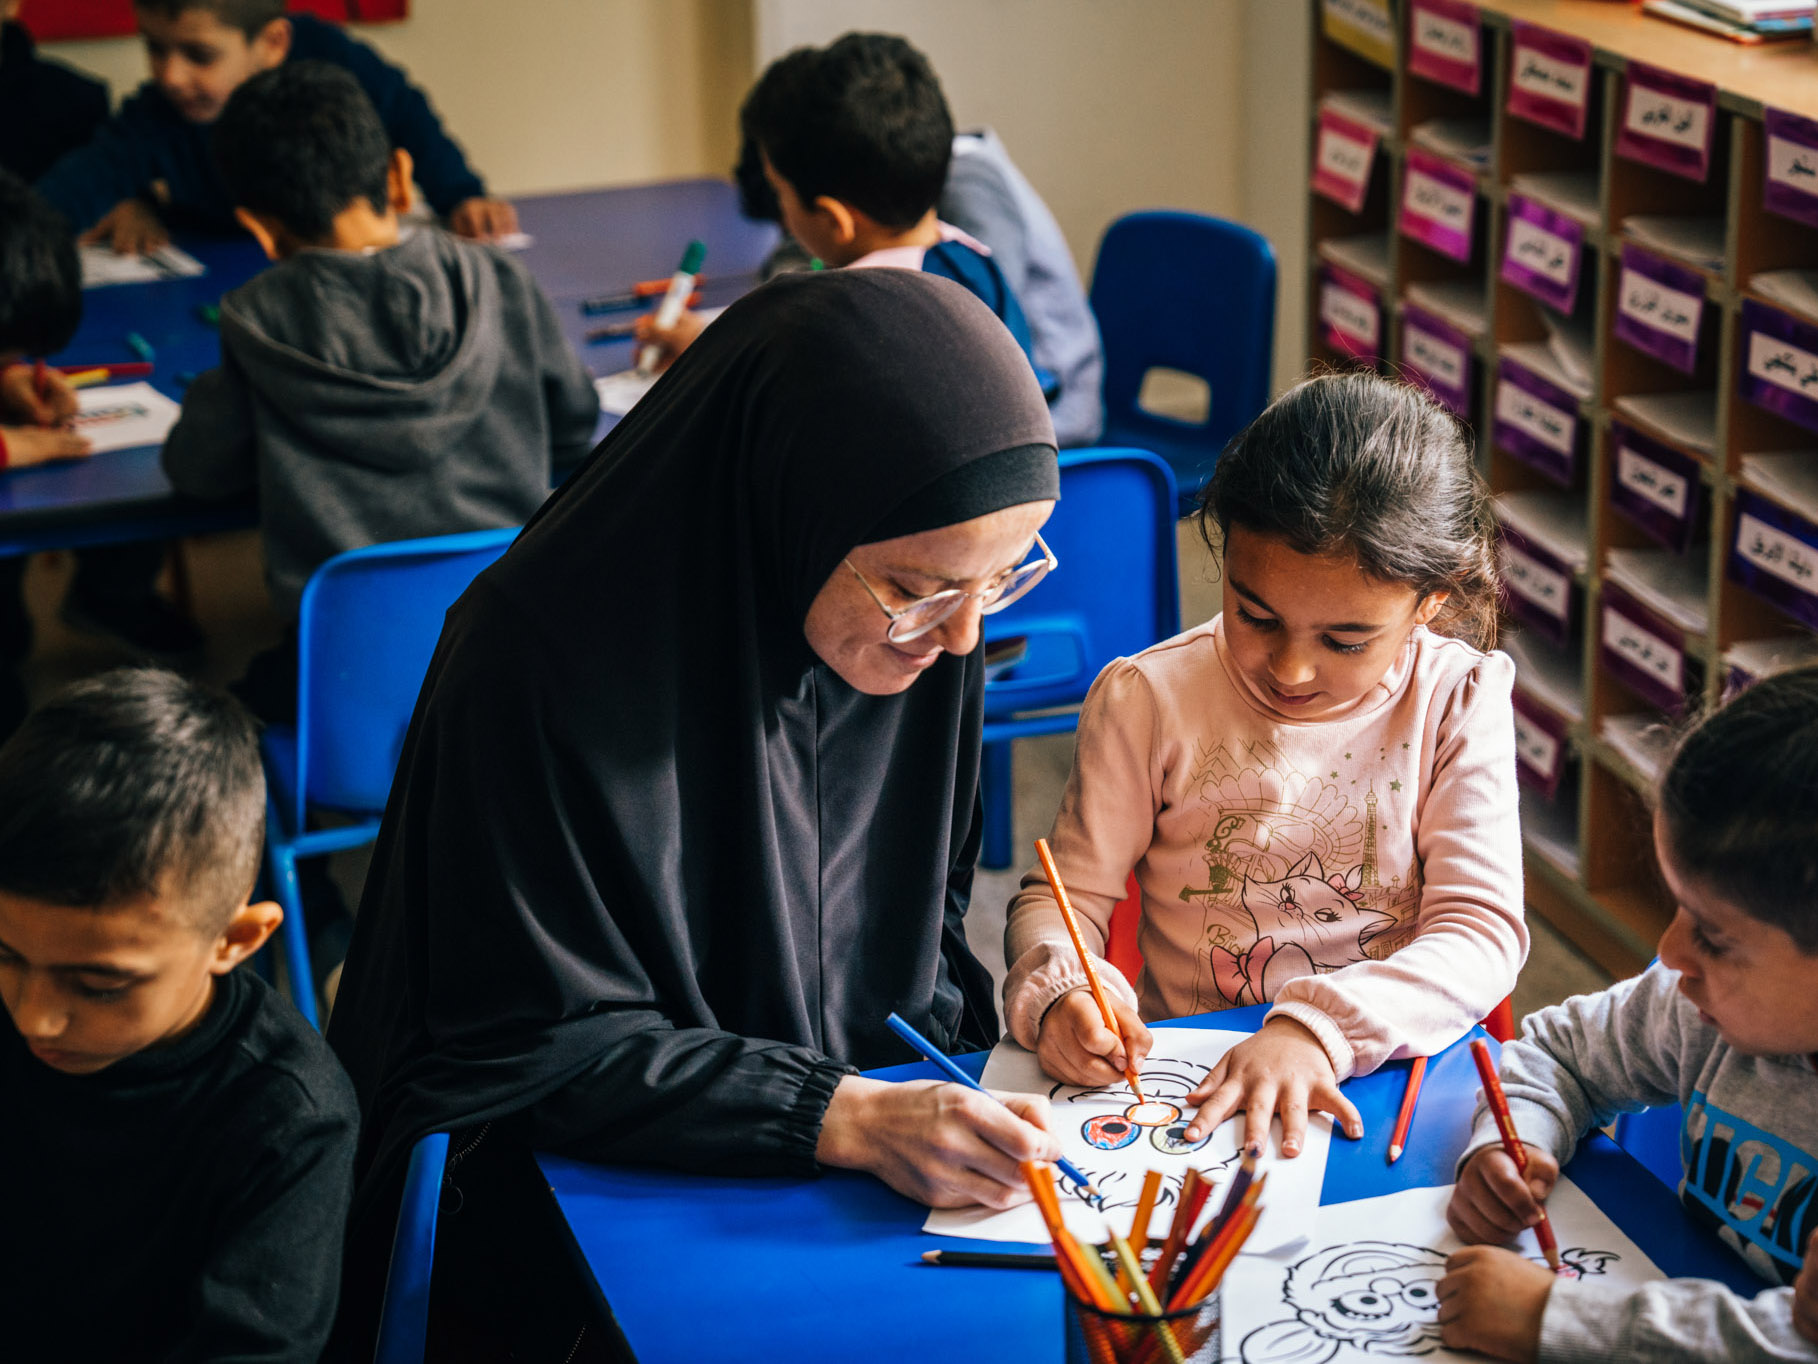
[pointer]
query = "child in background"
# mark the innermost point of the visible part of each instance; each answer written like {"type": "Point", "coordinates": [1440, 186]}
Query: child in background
{"type": "Point", "coordinates": [153, 164]}
{"type": "Point", "coordinates": [1724, 1023]}
{"type": "Point", "coordinates": [46, 109]}
{"type": "Point", "coordinates": [377, 384]}
{"type": "Point", "coordinates": [854, 141]}
{"type": "Point", "coordinates": [1315, 789]}
{"type": "Point", "coordinates": [177, 1152]}
{"type": "Point", "coordinates": [987, 196]}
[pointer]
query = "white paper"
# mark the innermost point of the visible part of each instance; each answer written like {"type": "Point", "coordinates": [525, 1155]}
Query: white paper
{"type": "Point", "coordinates": [619, 392]}
{"type": "Point", "coordinates": [1181, 1059]}
{"type": "Point", "coordinates": [1555, 521]}
{"type": "Point", "coordinates": [1571, 344]}
{"type": "Point", "coordinates": [123, 416]}
{"type": "Point", "coordinates": [1789, 477]}
{"type": "Point", "coordinates": [1459, 139]}
{"type": "Point", "coordinates": [1796, 290]}
{"type": "Point", "coordinates": [1697, 241]}
{"type": "Point", "coordinates": [1644, 738]}
{"type": "Point", "coordinates": [1368, 1288]}
{"type": "Point", "coordinates": [1759, 658]}
{"type": "Point", "coordinates": [1539, 357]}
{"type": "Point", "coordinates": [1368, 107]}
{"type": "Point", "coordinates": [1685, 418]}
{"type": "Point", "coordinates": [1551, 675]}
{"type": "Point", "coordinates": [1674, 585]}
{"type": "Point", "coordinates": [514, 241]}
{"type": "Point", "coordinates": [1573, 193]}
{"type": "Point", "coordinates": [102, 265]}
{"type": "Point", "coordinates": [1458, 301]}
{"type": "Point", "coordinates": [1366, 255]}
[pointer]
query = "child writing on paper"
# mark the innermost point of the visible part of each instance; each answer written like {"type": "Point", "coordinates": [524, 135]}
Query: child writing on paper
{"type": "Point", "coordinates": [1316, 788]}
{"type": "Point", "coordinates": [1724, 1023]}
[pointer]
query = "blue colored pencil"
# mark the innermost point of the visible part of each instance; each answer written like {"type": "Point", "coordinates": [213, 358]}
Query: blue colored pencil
{"type": "Point", "coordinates": [945, 1065]}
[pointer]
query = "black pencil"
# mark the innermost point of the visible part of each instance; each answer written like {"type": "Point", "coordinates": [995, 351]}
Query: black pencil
{"type": "Point", "coordinates": [986, 1259]}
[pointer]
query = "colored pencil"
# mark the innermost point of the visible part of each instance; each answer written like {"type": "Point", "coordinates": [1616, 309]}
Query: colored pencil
{"type": "Point", "coordinates": [1095, 1285]}
{"type": "Point", "coordinates": [987, 1259]}
{"type": "Point", "coordinates": [1212, 1267]}
{"type": "Point", "coordinates": [140, 347]}
{"type": "Point", "coordinates": [1410, 1097]}
{"type": "Point", "coordinates": [945, 1065]}
{"type": "Point", "coordinates": [1193, 1193]}
{"type": "Point", "coordinates": [1209, 1241]}
{"type": "Point", "coordinates": [1145, 1295]}
{"type": "Point", "coordinates": [1145, 1209]}
{"type": "Point", "coordinates": [1085, 959]}
{"type": "Point", "coordinates": [1505, 1123]}
{"type": "Point", "coordinates": [1234, 1198]}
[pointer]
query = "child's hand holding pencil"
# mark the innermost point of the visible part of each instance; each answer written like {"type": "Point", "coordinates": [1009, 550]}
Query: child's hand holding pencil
{"type": "Point", "coordinates": [1076, 1046]}
{"type": "Point", "coordinates": [1493, 1202]}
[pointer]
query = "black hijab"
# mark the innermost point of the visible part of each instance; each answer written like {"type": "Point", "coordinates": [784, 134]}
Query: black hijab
{"type": "Point", "coordinates": [652, 875]}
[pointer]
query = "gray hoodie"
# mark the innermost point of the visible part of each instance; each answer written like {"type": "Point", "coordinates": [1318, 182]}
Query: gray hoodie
{"type": "Point", "coordinates": [419, 390]}
{"type": "Point", "coordinates": [1749, 1146]}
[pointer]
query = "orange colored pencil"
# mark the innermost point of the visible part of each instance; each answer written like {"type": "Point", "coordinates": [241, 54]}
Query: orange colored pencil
{"type": "Point", "coordinates": [1409, 1097]}
{"type": "Point", "coordinates": [1186, 1212]}
{"type": "Point", "coordinates": [1211, 1269]}
{"type": "Point", "coordinates": [1511, 1141]}
{"type": "Point", "coordinates": [1092, 1281]}
{"type": "Point", "coordinates": [1085, 959]}
{"type": "Point", "coordinates": [1145, 1209]}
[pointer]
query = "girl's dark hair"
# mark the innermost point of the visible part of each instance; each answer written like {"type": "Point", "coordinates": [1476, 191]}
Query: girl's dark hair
{"type": "Point", "coordinates": [1359, 465]}
{"type": "Point", "coordinates": [1739, 799]}
{"type": "Point", "coordinates": [40, 277]}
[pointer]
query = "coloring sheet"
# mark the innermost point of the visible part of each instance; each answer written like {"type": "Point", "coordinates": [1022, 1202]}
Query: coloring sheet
{"type": "Point", "coordinates": [1115, 1141]}
{"type": "Point", "coordinates": [103, 265]}
{"type": "Point", "coordinates": [619, 392]}
{"type": "Point", "coordinates": [121, 416]}
{"type": "Point", "coordinates": [1367, 1288]}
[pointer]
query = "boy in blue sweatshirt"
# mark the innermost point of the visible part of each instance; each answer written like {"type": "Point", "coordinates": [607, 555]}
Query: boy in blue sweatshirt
{"type": "Point", "coordinates": [152, 165]}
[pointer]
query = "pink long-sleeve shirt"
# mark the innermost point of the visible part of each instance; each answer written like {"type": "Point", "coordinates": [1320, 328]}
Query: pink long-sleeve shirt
{"type": "Point", "coordinates": [1360, 870]}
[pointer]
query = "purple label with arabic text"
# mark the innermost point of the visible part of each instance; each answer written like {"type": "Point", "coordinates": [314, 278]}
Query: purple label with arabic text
{"type": "Point", "coordinates": [1437, 356]}
{"type": "Point", "coordinates": [1540, 744]}
{"type": "Point", "coordinates": [1537, 587]}
{"type": "Point", "coordinates": [1775, 555]}
{"type": "Point", "coordinates": [1550, 79]}
{"type": "Point", "coordinates": [1659, 307]}
{"type": "Point", "coordinates": [1537, 422]}
{"type": "Point", "coordinates": [1667, 121]}
{"type": "Point", "coordinates": [1655, 486]}
{"type": "Point", "coordinates": [1445, 43]}
{"type": "Point", "coordinates": [1641, 650]}
{"type": "Point", "coordinates": [1438, 204]}
{"type": "Point", "coordinates": [1543, 253]}
{"type": "Point", "coordinates": [1780, 363]}
{"type": "Point", "coordinates": [1790, 166]}
{"type": "Point", "coordinates": [1350, 314]}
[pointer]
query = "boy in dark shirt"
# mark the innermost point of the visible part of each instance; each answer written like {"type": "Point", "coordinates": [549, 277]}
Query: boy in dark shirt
{"type": "Point", "coordinates": [177, 1150]}
{"type": "Point", "coordinates": [152, 163]}
{"type": "Point", "coordinates": [46, 109]}
{"type": "Point", "coordinates": [379, 383]}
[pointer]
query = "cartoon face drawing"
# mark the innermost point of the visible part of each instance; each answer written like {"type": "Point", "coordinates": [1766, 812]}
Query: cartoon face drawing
{"type": "Point", "coordinates": [1172, 1140]}
{"type": "Point", "coordinates": [1110, 1131]}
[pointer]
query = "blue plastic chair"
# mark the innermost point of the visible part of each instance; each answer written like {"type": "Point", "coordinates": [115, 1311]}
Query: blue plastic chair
{"type": "Point", "coordinates": [367, 628]}
{"type": "Point", "coordinates": [1652, 1137]}
{"type": "Point", "coordinates": [1187, 292]}
{"type": "Point", "coordinates": [1116, 592]}
{"type": "Point", "coordinates": [404, 1316]}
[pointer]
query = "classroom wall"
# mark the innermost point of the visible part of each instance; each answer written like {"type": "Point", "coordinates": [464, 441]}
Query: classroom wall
{"type": "Point", "coordinates": [556, 94]}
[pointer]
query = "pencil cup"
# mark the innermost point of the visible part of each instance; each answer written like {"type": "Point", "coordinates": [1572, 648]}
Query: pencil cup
{"type": "Point", "coordinates": [1189, 1336]}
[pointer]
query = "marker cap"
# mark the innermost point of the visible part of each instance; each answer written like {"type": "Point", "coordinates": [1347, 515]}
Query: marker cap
{"type": "Point", "coordinates": [693, 258]}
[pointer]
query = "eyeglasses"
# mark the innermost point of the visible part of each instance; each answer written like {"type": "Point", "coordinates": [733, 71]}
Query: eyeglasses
{"type": "Point", "coordinates": [923, 614]}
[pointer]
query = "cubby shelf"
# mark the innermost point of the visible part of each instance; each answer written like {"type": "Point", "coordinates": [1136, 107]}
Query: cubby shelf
{"type": "Point", "coordinates": [1656, 604]}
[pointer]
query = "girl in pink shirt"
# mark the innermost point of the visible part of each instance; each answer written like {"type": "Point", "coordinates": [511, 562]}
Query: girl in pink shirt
{"type": "Point", "coordinates": [1316, 788]}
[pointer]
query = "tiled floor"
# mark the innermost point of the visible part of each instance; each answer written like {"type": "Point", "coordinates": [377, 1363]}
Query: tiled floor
{"type": "Point", "coordinates": [230, 603]}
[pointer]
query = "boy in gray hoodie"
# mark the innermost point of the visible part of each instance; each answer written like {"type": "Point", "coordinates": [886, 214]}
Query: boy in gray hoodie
{"type": "Point", "coordinates": [377, 384]}
{"type": "Point", "coordinates": [1724, 1024]}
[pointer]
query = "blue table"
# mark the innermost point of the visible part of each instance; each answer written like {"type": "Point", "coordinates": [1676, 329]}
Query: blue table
{"type": "Point", "coordinates": [587, 243]}
{"type": "Point", "coordinates": [699, 1267]}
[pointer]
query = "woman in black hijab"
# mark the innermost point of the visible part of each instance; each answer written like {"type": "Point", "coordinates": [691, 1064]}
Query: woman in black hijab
{"type": "Point", "coordinates": [676, 823]}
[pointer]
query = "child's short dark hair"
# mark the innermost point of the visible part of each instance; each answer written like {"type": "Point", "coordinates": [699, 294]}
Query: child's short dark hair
{"type": "Point", "coordinates": [1359, 465]}
{"type": "Point", "coordinates": [1739, 800]}
{"type": "Point", "coordinates": [301, 142]}
{"type": "Point", "coordinates": [40, 276]}
{"type": "Point", "coordinates": [862, 121]}
{"type": "Point", "coordinates": [249, 16]}
{"type": "Point", "coordinates": [134, 783]}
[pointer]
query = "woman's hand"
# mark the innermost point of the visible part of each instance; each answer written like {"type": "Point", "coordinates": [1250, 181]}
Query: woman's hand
{"type": "Point", "coordinates": [1492, 1203]}
{"type": "Point", "coordinates": [1076, 1046]}
{"type": "Point", "coordinates": [39, 444]}
{"type": "Point", "coordinates": [20, 400]}
{"type": "Point", "coordinates": [132, 228]}
{"type": "Point", "coordinates": [937, 1142]}
{"type": "Point", "coordinates": [1491, 1301]}
{"type": "Point", "coordinates": [1282, 1068]}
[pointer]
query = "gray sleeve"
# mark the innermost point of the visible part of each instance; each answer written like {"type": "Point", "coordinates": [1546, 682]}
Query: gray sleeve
{"type": "Point", "coordinates": [210, 452]}
{"type": "Point", "coordinates": [1675, 1321]}
{"type": "Point", "coordinates": [977, 199]}
{"type": "Point", "coordinates": [568, 392]}
{"type": "Point", "coordinates": [1580, 1063]}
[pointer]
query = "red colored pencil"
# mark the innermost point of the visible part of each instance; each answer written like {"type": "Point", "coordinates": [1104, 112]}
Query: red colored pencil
{"type": "Point", "coordinates": [1505, 1123]}
{"type": "Point", "coordinates": [1409, 1098]}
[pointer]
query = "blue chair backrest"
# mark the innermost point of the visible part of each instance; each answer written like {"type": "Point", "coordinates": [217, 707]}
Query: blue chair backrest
{"type": "Point", "coordinates": [404, 1317]}
{"type": "Point", "coordinates": [1116, 592]}
{"type": "Point", "coordinates": [367, 629]}
{"type": "Point", "coordinates": [1188, 292]}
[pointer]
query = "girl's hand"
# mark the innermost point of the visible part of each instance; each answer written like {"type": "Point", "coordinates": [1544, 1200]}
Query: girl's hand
{"type": "Point", "coordinates": [38, 444]}
{"type": "Point", "coordinates": [1283, 1068]}
{"type": "Point", "coordinates": [132, 228]}
{"type": "Point", "coordinates": [937, 1142]}
{"type": "Point", "coordinates": [20, 401]}
{"type": "Point", "coordinates": [1076, 1046]}
{"type": "Point", "coordinates": [1491, 1300]}
{"type": "Point", "coordinates": [1492, 1203]}
{"type": "Point", "coordinates": [1805, 1292]}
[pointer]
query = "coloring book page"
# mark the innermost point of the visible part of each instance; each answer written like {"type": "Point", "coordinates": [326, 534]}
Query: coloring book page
{"type": "Point", "coordinates": [122, 416]}
{"type": "Point", "coordinates": [102, 265]}
{"type": "Point", "coordinates": [1115, 1141]}
{"type": "Point", "coordinates": [1367, 1288]}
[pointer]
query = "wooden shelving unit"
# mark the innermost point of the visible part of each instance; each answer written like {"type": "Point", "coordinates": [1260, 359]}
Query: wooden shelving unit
{"type": "Point", "coordinates": [1656, 602]}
